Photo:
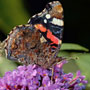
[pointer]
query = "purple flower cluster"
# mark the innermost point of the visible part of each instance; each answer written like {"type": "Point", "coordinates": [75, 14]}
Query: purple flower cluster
{"type": "Point", "coordinates": [33, 77]}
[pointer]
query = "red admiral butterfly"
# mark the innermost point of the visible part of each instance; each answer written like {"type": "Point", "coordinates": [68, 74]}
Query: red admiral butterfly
{"type": "Point", "coordinates": [38, 41]}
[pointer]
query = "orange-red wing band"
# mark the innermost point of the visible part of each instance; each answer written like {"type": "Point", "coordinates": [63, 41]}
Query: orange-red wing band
{"type": "Point", "coordinates": [50, 36]}
{"type": "Point", "coordinates": [40, 27]}
{"type": "Point", "coordinates": [54, 39]}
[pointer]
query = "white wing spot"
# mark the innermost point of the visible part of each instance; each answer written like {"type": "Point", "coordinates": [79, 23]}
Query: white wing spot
{"type": "Point", "coordinates": [57, 22]}
{"type": "Point", "coordinates": [48, 16]}
{"type": "Point", "coordinates": [45, 21]}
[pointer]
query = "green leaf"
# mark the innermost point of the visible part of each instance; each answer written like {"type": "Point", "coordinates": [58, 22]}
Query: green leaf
{"type": "Point", "coordinates": [82, 63]}
{"type": "Point", "coordinates": [12, 13]}
{"type": "Point", "coordinates": [71, 46]}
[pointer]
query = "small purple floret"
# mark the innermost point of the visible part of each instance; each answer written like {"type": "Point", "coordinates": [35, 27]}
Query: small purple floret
{"type": "Point", "coordinates": [34, 77]}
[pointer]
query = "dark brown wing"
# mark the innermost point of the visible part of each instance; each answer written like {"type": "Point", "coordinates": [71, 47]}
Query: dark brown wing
{"type": "Point", "coordinates": [21, 43]}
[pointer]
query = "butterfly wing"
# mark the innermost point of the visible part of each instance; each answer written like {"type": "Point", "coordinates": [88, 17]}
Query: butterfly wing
{"type": "Point", "coordinates": [50, 23]}
{"type": "Point", "coordinates": [21, 43]}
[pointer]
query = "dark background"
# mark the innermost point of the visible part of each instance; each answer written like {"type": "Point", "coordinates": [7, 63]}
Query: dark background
{"type": "Point", "coordinates": [76, 18]}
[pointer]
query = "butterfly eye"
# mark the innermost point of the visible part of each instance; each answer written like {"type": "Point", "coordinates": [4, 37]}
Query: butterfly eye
{"type": "Point", "coordinates": [48, 7]}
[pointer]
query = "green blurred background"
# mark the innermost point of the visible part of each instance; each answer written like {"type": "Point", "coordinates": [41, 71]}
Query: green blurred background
{"type": "Point", "coordinates": [76, 30]}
